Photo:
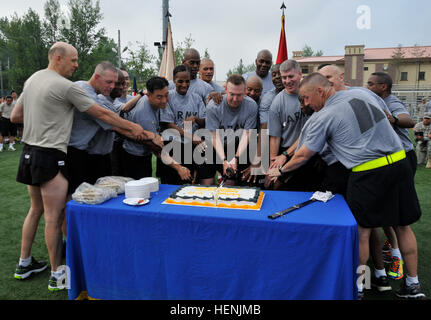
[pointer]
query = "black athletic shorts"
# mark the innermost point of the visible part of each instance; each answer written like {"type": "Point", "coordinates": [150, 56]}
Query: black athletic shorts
{"type": "Point", "coordinates": [38, 165]}
{"type": "Point", "coordinates": [412, 160]}
{"type": "Point", "coordinates": [335, 179]}
{"type": "Point", "coordinates": [137, 167]}
{"type": "Point", "coordinates": [307, 178]}
{"type": "Point", "coordinates": [7, 128]}
{"type": "Point", "coordinates": [100, 166]}
{"type": "Point", "coordinates": [78, 164]}
{"type": "Point", "coordinates": [384, 197]}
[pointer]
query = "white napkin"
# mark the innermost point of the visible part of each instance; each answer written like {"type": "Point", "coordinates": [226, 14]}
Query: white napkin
{"type": "Point", "coordinates": [322, 196]}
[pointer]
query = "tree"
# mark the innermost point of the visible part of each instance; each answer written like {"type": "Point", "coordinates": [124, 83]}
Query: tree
{"type": "Point", "coordinates": [54, 21]}
{"type": "Point", "coordinates": [22, 44]}
{"type": "Point", "coordinates": [307, 51]}
{"type": "Point", "coordinates": [241, 69]}
{"type": "Point", "coordinates": [206, 54]}
{"type": "Point", "coordinates": [181, 48]}
{"type": "Point", "coordinates": [83, 32]}
{"type": "Point", "coordinates": [140, 64]}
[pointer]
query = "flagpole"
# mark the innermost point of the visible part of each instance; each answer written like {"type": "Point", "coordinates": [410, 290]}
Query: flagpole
{"type": "Point", "coordinates": [282, 46]}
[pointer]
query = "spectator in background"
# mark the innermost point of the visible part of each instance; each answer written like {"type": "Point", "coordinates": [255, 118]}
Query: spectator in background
{"type": "Point", "coordinates": [7, 128]}
{"type": "Point", "coordinates": [206, 70]}
{"type": "Point", "coordinates": [422, 132]}
{"type": "Point", "coordinates": [428, 106]}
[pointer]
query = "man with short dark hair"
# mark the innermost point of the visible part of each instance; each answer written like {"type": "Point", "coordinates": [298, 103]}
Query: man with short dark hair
{"type": "Point", "coordinates": [138, 157]}
{"type": "Point", "coordinates": [230, 124]}
{"type": "Point", "coordinates": [263, 66]}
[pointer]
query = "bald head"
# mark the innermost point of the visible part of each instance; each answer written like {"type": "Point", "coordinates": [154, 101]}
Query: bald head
{"type": "Point", "coordinates": [264, 53]}
{"type": "Point", "coordinates": [60, 49]}
{"type": "Point", "coordinates": [334, 75]}
{"type": "Point", "coordinates": [63, 59]}
{"type": "Point", "coordinates": [263, 63]}
{"type": "Point", "coordinates": [253, 87]}
{"type": "Point", "coordinates": [192, 60]}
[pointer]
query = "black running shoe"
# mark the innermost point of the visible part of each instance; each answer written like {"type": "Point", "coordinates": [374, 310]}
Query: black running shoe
{"type": "Point", "coordinates": [381, 284]}
{"type": "Point", "coordinates": [35, 266]}
{"type": "Point", "coordinates": [413, 291]}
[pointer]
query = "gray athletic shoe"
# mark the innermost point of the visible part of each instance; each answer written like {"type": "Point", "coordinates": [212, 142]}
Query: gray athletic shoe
{"type": "Point", "coordinates": [413, 291]}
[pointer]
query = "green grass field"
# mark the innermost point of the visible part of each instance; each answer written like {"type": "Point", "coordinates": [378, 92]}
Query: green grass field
{"type": "Point", "coordinates": [15, 203]}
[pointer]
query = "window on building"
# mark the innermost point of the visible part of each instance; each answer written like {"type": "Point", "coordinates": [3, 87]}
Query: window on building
{"type": "Point", "coordinates": [304, 70]}
{"type": "Point", "coordinates": [365, 68]}
{"type": "Point", "coordinates": [421, 75]}
{"type": "Point", "coordinates": [404, 76]}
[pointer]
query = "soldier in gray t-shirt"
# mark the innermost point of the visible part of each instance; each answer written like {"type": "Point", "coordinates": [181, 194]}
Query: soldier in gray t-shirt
{"type": "Point", "coordinates": [399, 117]}
{"type": "Point", "coordinates": [229, 124]}
{"type": "Point", "coordinates": [362, 140]}
{"type": "Point", "coordinates": [285, 118]}
{"type": "Point", "coordinates": [184, 114]}
{"type": "Point", "coordinates": [137, 157]}
{"type": "Point", "coordinates": [263, 66]}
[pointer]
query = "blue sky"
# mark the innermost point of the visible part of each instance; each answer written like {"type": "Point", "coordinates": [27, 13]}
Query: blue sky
{"type": "Point", "coordinates": [232, 30]}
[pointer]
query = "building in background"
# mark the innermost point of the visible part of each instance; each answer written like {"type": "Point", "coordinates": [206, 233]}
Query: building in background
{"type": "Point", "coordinates": [409, 67]}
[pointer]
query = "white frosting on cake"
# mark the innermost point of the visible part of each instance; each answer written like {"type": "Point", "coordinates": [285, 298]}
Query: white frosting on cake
{"type": "Point", "coordinates": [212, 195]}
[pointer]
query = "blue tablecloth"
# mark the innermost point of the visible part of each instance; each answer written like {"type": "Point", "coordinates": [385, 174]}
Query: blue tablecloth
{"type": "Point", "coordinates": [160, 251]}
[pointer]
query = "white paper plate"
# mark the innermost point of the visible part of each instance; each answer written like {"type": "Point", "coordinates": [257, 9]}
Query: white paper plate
{"type": "Point", "coordinates": [136, 201]}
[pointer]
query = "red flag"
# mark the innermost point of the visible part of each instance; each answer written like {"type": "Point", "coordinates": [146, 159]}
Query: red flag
{"type": "Point", "coordinates": [282, 46]}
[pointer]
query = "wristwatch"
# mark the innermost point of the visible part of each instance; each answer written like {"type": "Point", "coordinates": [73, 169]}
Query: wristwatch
{"type": "Point", "coordinates": [141, 92]}
{"type": "Point", "coordinates": [284, 153]}
{"type": "Point", "coordinates": [396, 120]}
{"type": "Point", "coordinates": [279, 169]}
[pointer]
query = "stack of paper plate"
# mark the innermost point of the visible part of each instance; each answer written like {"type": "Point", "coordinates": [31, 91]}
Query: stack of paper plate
{"type": "Point", "coordinates": [137, 189]}
{"type": "Point", "coordinates": [153, 182]}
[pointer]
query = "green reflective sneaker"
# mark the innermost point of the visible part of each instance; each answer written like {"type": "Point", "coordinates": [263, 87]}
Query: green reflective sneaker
{"type": "Point", "coordinates": [57, 284]}
{"type": "Point", "coordinates": [35, 266]}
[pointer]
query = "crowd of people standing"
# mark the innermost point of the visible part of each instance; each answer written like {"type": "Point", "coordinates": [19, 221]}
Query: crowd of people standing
{"type": "Point", "coordinates": [313, 133]}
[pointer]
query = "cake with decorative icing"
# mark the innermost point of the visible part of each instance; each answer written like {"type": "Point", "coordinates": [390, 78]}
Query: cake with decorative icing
{"type": "Point", "coordinates": [225, 197]}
